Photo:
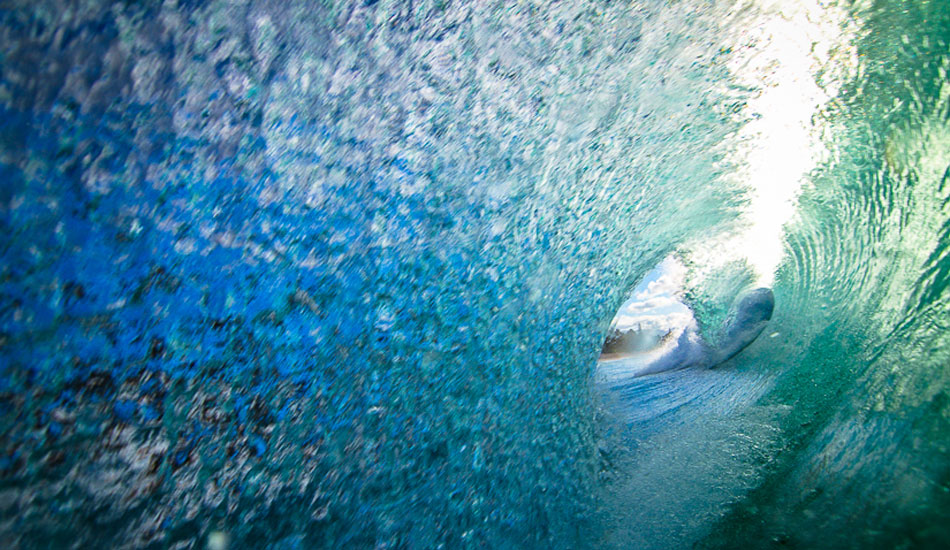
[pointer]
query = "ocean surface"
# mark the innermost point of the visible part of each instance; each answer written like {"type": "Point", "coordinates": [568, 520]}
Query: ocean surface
{"type": "Point", "coordinates": [294, 275]}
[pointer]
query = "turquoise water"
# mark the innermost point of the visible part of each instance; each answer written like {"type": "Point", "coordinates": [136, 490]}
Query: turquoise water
{"type": "Point", "coordinates": [319, 275]}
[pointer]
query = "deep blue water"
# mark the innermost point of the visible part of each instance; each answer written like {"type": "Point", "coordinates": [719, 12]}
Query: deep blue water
{"type": "Point", "coordinates": [320, 275]}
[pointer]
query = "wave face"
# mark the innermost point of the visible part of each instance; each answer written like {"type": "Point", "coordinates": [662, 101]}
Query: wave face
{"type": "Point", "coordinates": [302, 275]}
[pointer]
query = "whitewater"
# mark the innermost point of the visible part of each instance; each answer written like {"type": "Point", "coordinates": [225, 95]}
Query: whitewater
{"type": "Point", "coordinates": [298, 275]}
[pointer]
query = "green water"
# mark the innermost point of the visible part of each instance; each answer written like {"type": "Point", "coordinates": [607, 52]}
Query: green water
{"type": "Point", "coordinates": [336, 275]}
{"type": "Point", "coordinates": [863, 461]}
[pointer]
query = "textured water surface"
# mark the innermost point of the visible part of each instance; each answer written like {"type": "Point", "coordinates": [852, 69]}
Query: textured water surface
{"type": "Point", "coordinates": [337, 275]}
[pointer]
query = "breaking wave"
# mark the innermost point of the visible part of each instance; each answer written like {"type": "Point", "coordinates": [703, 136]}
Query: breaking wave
{"type": "Point", "coordinates": [305, 275]}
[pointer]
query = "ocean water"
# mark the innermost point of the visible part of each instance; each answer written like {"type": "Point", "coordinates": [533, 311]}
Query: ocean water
{"type": "Point", "coordinates": [337, 275]}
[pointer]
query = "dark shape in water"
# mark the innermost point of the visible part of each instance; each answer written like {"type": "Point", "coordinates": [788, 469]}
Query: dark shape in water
{"type": "Point", "coordinates": [752, 314]}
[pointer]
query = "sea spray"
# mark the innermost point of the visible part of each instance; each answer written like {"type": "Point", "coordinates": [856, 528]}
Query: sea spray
{"type": "Point", "coordinates": [333, 275]}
